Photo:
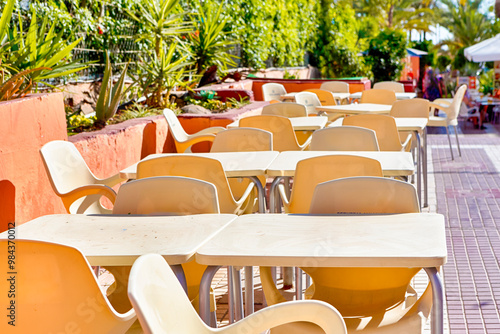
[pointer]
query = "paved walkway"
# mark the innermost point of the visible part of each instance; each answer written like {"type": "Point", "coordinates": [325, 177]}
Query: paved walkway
{"type": "Point", "coordinates": [468, 194]}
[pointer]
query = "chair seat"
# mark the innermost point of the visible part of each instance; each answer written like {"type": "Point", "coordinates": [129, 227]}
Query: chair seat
{"type": "Point", "coordinates": [437, 121]}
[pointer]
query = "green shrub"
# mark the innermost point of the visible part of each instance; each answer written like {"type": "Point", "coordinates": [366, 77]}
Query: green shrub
{"type": "Point", "coordinates": [385, 53]}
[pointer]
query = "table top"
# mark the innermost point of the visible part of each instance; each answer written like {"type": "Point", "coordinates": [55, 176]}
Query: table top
{"type": "Point", "coordinates": [291, 96]}
{"type": "Point", "coordinates": [120, 240]}
{"type": "Point", "coordinates": [402, 123]}
{"type": "Point", "coordinates": [299, 123]}
{"type": "Point", "coordinates": [399, 96]}
{"type": "Point", "coordinates": [488, 101]}
{"type": "Point", "coordinates": [357, 108]}
{"type": "Point", "coordinates": [235, 164]}
{"type": "Point", "coordinates": [393, 163]}
{"type": "Point", "coordinates": [397, 240]}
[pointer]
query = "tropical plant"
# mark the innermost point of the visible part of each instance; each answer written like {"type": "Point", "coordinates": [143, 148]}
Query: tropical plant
{"type": "Point", "coordinates": [336, 41]}
{"type": "Point", "coordinates": [162, 20]}
{"type": "Point", "coordinates": [385, 54]}
{"type": "Point", "coordinates": [37, 50]}
{"type": "Point", "coordinates": [157, 75]}
{"type": "Point", "coordinates": [16, 86]}
{"type": "Point", "coordinates": [209, 44]}
{"type": "Point", "coordinates": [109, 96]}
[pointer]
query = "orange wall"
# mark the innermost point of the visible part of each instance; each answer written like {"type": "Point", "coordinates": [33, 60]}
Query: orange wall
{"type": "Point", "coordinates": [26, 125]}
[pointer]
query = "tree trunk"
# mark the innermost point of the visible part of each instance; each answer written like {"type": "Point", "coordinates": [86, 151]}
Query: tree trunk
{"type": "Point", "coordinates": [497, 8]}
{"type": "Point", "coordinates": [390, 15]}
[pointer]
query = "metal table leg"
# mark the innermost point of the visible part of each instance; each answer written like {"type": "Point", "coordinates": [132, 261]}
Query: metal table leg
{"type": "Point", "coordinates": [273, 193]}
{"type": "Point", "coordinates": [249, 293]}
{"type": "Point", "coordinates": [419, 168]}
{"type": "Point", "coordinates": [261, 193]}
{"type": "Point", "coordinates": [437, 313]}
{"type": "Point", "coordinates": [238, 296]}
{"type": "Point", "coordinates": [424, 160]}
{"type": "Point", "coordinates": [205, 283]}
{"type": "Point", "coordinates": [179, 273]}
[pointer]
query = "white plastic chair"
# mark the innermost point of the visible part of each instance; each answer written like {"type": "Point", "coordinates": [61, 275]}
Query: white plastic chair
{"type": "Point", "coordinates": [451, 110]}
{"type": "Point", "coordinates": [184, 141]}
{"type": "Point", "coordinates": [72, 180]}
{"type": "Point", "coordinates": [308, 99]}
{"type": "Point", "coordinates": [163, 307]}
{"type": "Point", "coordinates": [396, 87]}
{"type": "Point", "coordinates": [273, 91]}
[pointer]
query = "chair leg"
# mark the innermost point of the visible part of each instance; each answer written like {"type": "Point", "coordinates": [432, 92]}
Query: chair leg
{"type": "Point", "coordinates": [458, 144]}
{"type": "Point", "coordinates": [449, 141]}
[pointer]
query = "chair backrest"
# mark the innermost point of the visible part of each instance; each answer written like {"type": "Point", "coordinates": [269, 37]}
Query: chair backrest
{"type": "Point", "coordinates": [242, 140]}
{"type": "Point", "coordinates": [175, 126]}
{"type": "Point", "coordinates": [67, 171]}
{"type": "Point", "coordinates": [273, 91]}
{"type": "Point", "coordinates": [56, 290]}
{"type": "Point", "coordinates": [396, 87]}
{"type": "Point", "coordinates": [344, 138]}
{"type": "Point", "coordinates": [325, 97]}
{"type": "Point", "coordinates": [160, 302]}
{"type": "Point", "coordinates": [384, 126]}
{"type": "Point", "coordinates": [411, 108]}
{"type": "Point", "coordinates": [454, 108]}
{"type": "Point", "coordinates": [285, 109]}
{"type": "Point", "coordinates": [308, 99]}
{"type": "Point", "coordinates": [172, 195]}
{"type": "Point", "coordinates": [310, 172]}
{"type": "Point", "coordinates": [284, 138]}
{"type": "Point", "coordinates": [378, 96]}
{"type": "Point", "coordinates": [335, 86]}
{"type": "Point", "coordinates": [196, 167]}
{"type": "Point", "coordinates": [364, 195]}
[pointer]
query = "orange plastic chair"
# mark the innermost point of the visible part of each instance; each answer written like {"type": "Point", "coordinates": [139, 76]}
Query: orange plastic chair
{"type": "Point", "coordinates": [202, 168]}
{"type": "Point", "coordinates": [56, 292]}
{"type": "Point", "coordinates": [162, 306]}
{"type": "Point", "coordinates": [310, 172]}
{"type": "Point", "coordinates": [285, 109]}
{"type": "Point", "coordinates": [371, 300]}
{"type": "Point", "coordinates": [168, 195]}
{"type": "Point", "coordinates": [396, 87]}
{"type": "Point", "coordinates": [72, 180]}
{"type": "Point", "coordinates": [273, 91]}
{"type": "Point", "coordinates": [378, 96]}
{"type": "Point", "coordinates": [284, 138]}
{"type": "Point", "coordinates": [410, 108]}
{"type": "Point", "coordinates": [344, 138]}
{"type": "Point", "coordinates": [325, 97]}
{"type": "Point", "coordinates": [243, 140]}
{"type": "Point", "coordinates": [183, 141]}
{"type": "Point", "coordinates": [385, 128]}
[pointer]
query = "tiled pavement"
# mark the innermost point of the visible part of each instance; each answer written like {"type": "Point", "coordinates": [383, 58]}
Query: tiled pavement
{"type": "Point", "coordinates": [468, 194]}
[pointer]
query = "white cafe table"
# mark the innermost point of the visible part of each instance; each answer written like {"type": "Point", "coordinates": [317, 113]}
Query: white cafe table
{"type": "Point", "coordinates": [392, 163]}
{"type": "Point", "coordinates": [399, 95]}
{"type": "Point", "coordinates": [235, 164]}
{"type": "Point", "coordinates": [397, 240]}
{"type": "Point", "coordinates": [354, 109]}
{"type": "Point", "coordinates": [115, 240]}
{"type": "Point", "coordinates": [290, 97]}
{"type": "Point", "coordinates": [298, 123]}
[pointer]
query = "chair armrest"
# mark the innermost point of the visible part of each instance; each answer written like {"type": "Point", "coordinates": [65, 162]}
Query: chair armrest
{"type": "Point", "coordinates": [193, 139]}
{"type": "Point", "coordinates": [407, 143]}
{"type": "Point", "coordinates": [438, 106]}
{"type": "Point", "coordinates": [314, 311]}
{"type": "Point", "coordinates": [445, 102]}
{"type": "Point", "coordinates": [305, 145]}
{"type": "Point", "coordinates": [286, 201]}
{"type": "Point", "coordinates": [212, 130]}
{"type": "Point", "coordinates": [112, 180]}
{"type": "Point", "coordinates": [93, 189]}
{"type": "Point", "coordinates": [246, 194]}
{"type": "Point", "coordinates": [271, 292]}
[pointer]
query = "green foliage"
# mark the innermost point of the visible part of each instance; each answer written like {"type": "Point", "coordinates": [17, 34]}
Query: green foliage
{"type": "Point", "coordinates": [162, 20]}
{"type": "Point", "coordinates": [385, 53]}
{"type": "Point", "coordinates": [442, 62]}
{"type": "Point", "coordinates": [336, 44]}
{"type": "Point", "coordinates": [109, 96]}
{"type": "Point", "coordinates": [157, 75]}
{"type": "Point", "coordinates": [275, 30]}
{"type": "Point", "coordinates": [210, 101]}
{"type": "Point", "coordinates": [209, 43]}
{"type": "Point", "coordinates": [41, 50]}
{"type": "Point", "coordinates": [487, 82]}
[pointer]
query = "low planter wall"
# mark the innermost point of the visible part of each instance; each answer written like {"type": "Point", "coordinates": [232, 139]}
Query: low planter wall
{"type": "Point", "coordinates": [27, 124]}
